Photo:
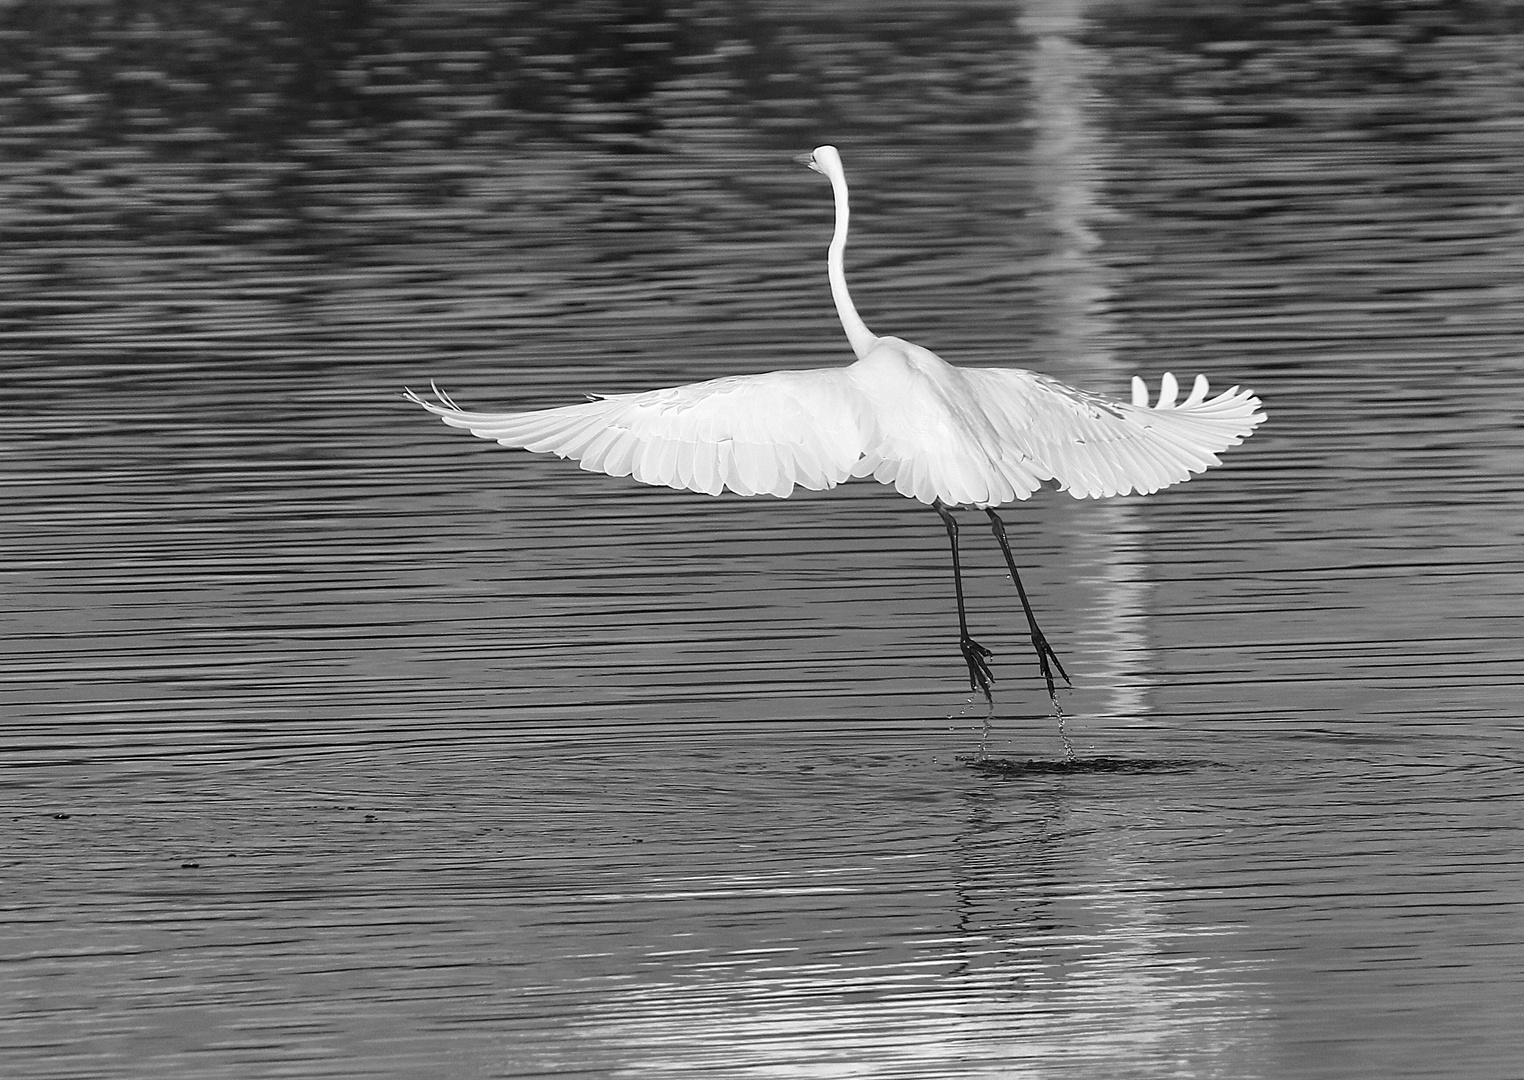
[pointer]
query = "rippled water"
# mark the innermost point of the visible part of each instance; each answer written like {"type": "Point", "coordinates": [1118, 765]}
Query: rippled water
{"type": "Point", "coordinates": [336, 743]}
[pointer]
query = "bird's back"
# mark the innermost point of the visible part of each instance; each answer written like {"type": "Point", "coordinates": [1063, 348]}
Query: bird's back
{"type": "Point", "coordinates": [928, 435]}
{"type": "Point", "coordinates": [987, 436]}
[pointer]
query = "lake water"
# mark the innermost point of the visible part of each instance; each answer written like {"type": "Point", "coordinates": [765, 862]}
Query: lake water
{"type": "Point", "coordinates": [336, 743]}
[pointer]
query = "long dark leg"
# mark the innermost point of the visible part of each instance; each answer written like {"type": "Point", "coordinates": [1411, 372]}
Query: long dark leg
{"type": "Point", "coordinates": [975, 655]}
{"type": "Point", "coordinates": [1045, 651]}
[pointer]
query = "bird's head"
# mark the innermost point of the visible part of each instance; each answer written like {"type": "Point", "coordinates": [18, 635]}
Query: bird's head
{"type": "Point", "coordinates": [823, 159]}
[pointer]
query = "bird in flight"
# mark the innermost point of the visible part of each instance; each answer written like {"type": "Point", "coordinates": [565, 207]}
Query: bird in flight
{"type": "Point", "coordinates": [942, 435]}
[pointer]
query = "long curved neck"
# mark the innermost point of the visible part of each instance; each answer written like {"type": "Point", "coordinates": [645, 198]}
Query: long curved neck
{"type": "Point", "coordinates": [861, 338]}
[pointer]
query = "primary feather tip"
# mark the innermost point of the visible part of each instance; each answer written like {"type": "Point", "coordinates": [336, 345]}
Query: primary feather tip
{"type": "Point", "coordinates": [1243, 404]}
{"type": "Point", "coordinates": [444, 402]}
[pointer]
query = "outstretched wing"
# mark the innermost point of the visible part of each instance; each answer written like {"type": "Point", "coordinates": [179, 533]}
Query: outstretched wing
{"type": "Point", "coordinates": [751, 434]}
{"type": "Point", "coordinates": [1095, 446]}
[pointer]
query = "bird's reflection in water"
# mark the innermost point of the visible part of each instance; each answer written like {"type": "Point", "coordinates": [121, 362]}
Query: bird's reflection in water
{"type": "Point", "coordinates": [1035, 952]}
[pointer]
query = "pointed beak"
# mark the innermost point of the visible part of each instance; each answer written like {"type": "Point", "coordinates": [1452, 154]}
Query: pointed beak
{"type": "Point", "coordinates": [807, 159]}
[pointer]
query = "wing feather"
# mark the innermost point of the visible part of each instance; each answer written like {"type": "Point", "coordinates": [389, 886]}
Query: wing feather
{"type": "Point", "coordinates": [749, 434]}
{"type": "Point", "coordinates": [620, 459]}
{"type": "Point", "coordinates": [1095, 445]}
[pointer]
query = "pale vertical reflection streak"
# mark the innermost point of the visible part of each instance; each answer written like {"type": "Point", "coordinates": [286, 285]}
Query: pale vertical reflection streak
{"type": "Point", "coordinates": [1069, 158]}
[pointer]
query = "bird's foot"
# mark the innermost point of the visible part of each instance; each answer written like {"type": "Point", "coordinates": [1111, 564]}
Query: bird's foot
{"type": "Point", "coordinates": [1047, 661]}
{"type": "Point", "coordinates": [978, 659]}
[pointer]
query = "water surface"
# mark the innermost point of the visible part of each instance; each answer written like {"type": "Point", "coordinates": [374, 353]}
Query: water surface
{"type": "Point", "coordinates": [337, 743]}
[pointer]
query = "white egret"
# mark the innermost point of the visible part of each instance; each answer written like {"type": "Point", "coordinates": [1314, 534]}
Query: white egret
{"type": "Point", "coordinates": [945, 436]}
